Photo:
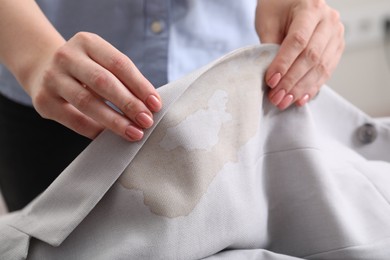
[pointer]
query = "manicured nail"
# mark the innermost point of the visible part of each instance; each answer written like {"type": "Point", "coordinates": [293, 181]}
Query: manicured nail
{"type": "Point", "coordinates": [278, 97]}
{"type": "Point", "coordinates": [144, 120]}
{"type": "Point", "coordinates": [153, 103]}
{"type": "Point", "coordinates": [304, 100]}
{"type": "Point", "coordinates": [286, 102]}
{"type": "Point", "coordinates": [133, 133]}
{"type": "Point", "coordinates": [274, 80]}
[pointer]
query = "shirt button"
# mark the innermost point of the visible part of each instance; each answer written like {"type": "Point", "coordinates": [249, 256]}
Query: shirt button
{"type": "Point", "coordinates": [156, 27]}
{"type": "Point", "coordinates": [367, 133]}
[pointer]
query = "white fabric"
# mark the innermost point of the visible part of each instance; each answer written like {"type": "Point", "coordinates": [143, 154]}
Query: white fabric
{"type": "Point", "coordinates": [223, 174]}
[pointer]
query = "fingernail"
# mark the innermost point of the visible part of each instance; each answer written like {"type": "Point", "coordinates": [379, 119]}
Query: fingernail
{"type": "Point", "coordinates": [144, 120]}
{"type": "Point", "coordinates": [133, 133]}
{"type": "Point", "coordinates": [278, 97]}
{"type": "Point", "coordinates": [304, 100]}
{"type": "Point", "coordinates": [153, 103]}
{"type": "Point", "coordinates": [274, 80]}
{"type": "Point", "coordinates": [286, 102]}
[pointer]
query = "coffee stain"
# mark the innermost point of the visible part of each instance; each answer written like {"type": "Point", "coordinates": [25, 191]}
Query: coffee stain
{"type": "Point", "coordinates": [191, 145]}
{"type": "Point", "coordinates": [203, 138]}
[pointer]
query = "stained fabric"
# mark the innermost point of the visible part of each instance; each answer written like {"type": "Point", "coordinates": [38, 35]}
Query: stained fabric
{"type": "Point", "coordinates": [222, 174]}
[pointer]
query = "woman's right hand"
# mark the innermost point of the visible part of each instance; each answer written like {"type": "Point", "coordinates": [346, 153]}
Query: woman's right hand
{"type": "Point", "coordinates": [70, 81]}
{"type": "Point", "coordinates": [75, 82]}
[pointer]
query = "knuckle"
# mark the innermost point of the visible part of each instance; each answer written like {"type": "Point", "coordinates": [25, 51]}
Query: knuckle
{"type": "Point", "coordinates": [299, 40]}
{"type": "Point", "coordinates": [334, 15]}
{"type": "Point", "coordinates": [99, 79]}
{"type": "Point", "coordinates": [85, 39]}
{"type": "Point", "coordinates": [119, 62]}
{"type": "Point", "coordinates": [83, 99]}
{"type": "Point", "coordinates": [313, 55]}
{"type": "Point", "coordinates": [85, 36]}
{"type": "Point", "coordinates": [130, 108]}
{"type": "Point", "coordinates": [118, 125]}
{"type": "Point", "coordinates": [62, 55]}
{"type": "Point", "coordinates": [323, 70]}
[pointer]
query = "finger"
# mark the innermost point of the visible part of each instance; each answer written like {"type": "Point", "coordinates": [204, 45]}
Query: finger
{"type": "Point", "coordinates": [96, 109]}
{"type": "Point", "coordinates": [306, 98]}
{"type": "Point", "coordinates": [310, 84]}
{"type": "Point", "coordinates": [107, 86]}
{"type": "Point", "coordinates": [53, 107]}
{"type": "Point", "coordinates": [69, 116]}
{"type": "Point", "coordinates": [309, 58]}
{"type": "Point", "coordinates": [296, 40]}
{"type": "Point", "coordinates": [124, 69]}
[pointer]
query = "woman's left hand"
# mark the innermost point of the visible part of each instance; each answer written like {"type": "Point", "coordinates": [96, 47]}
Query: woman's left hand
{"type": "Point", "coordinates": [311, 38]}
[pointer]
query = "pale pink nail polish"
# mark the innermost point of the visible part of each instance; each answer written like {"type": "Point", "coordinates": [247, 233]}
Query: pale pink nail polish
{"type": "Point", "coordinates": [274, 80]}
{"type": "Point", "coordinates": [144, 120]}
{"type": "Point", "coordinates": [304, 100]}
{"type": "Point", "coordinates": [133, 133]}
{"type": "Point", "coordinates": [286, 102]}
{"type": "Point", "coordinates": [153, 103]}
{"type": "Point", "coordinates": [278, 97]}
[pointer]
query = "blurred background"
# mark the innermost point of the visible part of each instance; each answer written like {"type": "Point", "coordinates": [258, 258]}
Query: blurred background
{"type": "Point", "coordinates": [363, 75]}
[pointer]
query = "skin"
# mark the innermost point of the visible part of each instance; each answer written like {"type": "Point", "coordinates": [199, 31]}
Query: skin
{"type": "Point", "coordinates": [68, 81]}
{"type": "Point", "coordinates": [311, 36]}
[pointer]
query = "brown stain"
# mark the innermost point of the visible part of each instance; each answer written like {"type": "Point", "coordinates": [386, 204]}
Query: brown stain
{"type": "Point", "coordinates": [173, 182]}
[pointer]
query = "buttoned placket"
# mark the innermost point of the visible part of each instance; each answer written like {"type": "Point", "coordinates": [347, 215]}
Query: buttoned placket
{"type": "Point", "coordinates": [156, 40]}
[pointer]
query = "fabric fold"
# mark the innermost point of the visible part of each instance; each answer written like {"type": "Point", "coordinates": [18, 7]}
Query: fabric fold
{"type": "Point", "coordinates": [222, 174]}
{"type": "Point", "coordinates": [108, 152]}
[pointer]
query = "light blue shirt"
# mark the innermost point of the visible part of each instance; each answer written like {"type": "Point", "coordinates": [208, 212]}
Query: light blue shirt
{"type": "Point", "coordinates": [164, 38]}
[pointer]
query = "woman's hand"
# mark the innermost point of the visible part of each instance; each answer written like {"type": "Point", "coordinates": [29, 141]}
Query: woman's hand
{"type": "Point", "coordinates": [72, 87]}
{"type": "Point", "coordinates": [70, 81]}
{"type": "Point", "coordinates": [312, 41]}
